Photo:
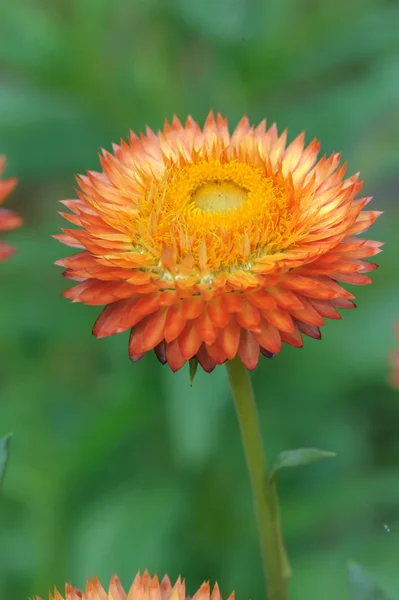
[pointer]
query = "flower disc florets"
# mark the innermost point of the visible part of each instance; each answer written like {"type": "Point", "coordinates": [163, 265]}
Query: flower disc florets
{"type": "Point", "coordinates": [211, 245]}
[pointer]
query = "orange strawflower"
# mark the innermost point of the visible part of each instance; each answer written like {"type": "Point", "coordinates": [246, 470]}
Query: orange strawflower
{"type": "Point", "coordinates": [8, 219]}
{"type": "Point", "coordinates": [212, 245]}
{"type": "Point", "coordinates": [143, 588]}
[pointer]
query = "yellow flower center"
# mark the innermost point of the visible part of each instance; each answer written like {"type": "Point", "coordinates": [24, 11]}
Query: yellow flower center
{"type": "Point", "coordinates": [222, 213]}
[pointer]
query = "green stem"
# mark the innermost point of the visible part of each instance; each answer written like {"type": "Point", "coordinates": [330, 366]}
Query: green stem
{"type": "Point", "coordinates": [275, 562]}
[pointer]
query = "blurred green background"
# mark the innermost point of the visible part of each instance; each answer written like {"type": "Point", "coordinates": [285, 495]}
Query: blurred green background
{"type": "Point", "coordinates": [118, 467]}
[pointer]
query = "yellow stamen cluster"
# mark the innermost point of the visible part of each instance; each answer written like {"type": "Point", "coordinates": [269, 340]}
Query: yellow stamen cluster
{"type": "Point", "coordinates": [218, 214]}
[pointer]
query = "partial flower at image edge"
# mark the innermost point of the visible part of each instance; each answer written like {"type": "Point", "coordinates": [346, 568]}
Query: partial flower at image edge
{"type": "Point", "coordinates": [144, 587]}
{"type": "Point", "coordinates": [8, 219]}
{"type": "Point", "coordinates": [394, 361]}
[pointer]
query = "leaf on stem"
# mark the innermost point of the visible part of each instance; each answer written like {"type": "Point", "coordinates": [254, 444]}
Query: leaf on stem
{"type": "Point", "coordinates": [4, 452]}
{"type": "Point", "coordinates": [298, 458]}
{"type": "Point", "coordinates": [361, 585]}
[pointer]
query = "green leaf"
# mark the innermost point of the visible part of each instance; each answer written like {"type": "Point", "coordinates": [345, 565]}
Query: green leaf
{"type": "Point", "coordinates": [299, 457]}
{"type": "Point", "coordinates": [361, 586]}
{"type": "Point", "coordinates": [4, 452]}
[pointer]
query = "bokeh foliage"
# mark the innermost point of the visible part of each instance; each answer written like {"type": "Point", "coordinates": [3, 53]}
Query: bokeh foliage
{"type": "Point", "coordinates": [118, 467]}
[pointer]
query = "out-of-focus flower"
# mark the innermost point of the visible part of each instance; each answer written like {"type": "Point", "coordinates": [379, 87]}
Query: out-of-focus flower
{"type": "Point", "coordinates": [211, 245]}
{"type": "Point", "coordinates": [144, 587]}
{"type": "Point", "coordinates": [394, 376]}
{"type": "Point", "coordinates": [8, 219]}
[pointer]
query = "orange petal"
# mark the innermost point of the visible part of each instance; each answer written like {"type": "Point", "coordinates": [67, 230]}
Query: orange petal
{"type": "Point", "coordinates": [216, 352]}
{"type": "Point", "coordinates": [167, 298]}
{"type": "Point", "coordinates": [354, 278]}
{"type": "Point", "coordinates": [136, 357]}
{"type": "Point", "coordinates": [95, 591]}
{"type": "Point", "coordinates": [325, 309]}
{"type": "Point", "coordinates": [343, 303]}
{"type": "Point", "coordinates": [203, 593]}
{"type": "Point", "coordinates": [248, 350]}
{"type": "Point", "coordinates": [307, 314]}
{"type": "Point", "coordinates": [137, 277]}
{"type": "Point", "coordinates": [285, 298]}
{"type": "Point", "coordinates": [311, 330]}
{"type": "Point", "coordinates": [174, 356]}
{"type": "Point", "coordinates": [120, 316]}
{"type": "Point", "coordinates": [308, 286]}
{"type": "Point", "coordinates": [261, 299]}
{"type": "Point", "coordinates": [269, 337]}
{"type": "Point", "coordinates": [364, 220]}
{"type": "Point", "coordinates": [154, 329]}
{"type": "Point", "coordinates": [189, 340]}
{"type": "Point", "coordinates": [293, 154]}
{"type": "Point", "coordinates": [206, 362]}
{"type": "Point", "coordinates": [293, 339]}
{"type": "Point", "coordinates": [192, 307]}
{"type": "Point", "coordinates": [175, 322]}
{"type": "Point", "coordinates": [206, 328]}
{"type": "Point", "coordinates": [233, 301]}
{"type": "Point", "coordinates": [229, 338]}
{"type": "Point", "coordinates": [368, 248]}
{"type": "Point", "coordinates": [71, 593]}
{"type": "Point", "coordinates": [338, 290]}
{"type": "Point", "coordinates": [116, 591]}
{"type": "Point", "coordinates": [145, 304]}
{"type": "Point", "coordinates": [220, 317]}
{"type": "Point", "coordinates": [166, 586]}
{"type": "Point", "coordinates": [280, 318]}
{"type": "Point", "coordinates": [249, 316]}
{"type": "Point", "coordinates": [160, 352]}
{"type": "Point", "coordinates": [137, 340]}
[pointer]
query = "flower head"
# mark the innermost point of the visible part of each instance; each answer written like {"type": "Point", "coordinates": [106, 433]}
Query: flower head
{"type": "Point", "coordinates": [144, 587]}
{"type": "Point", "coordinates": [8, 219]}
{"type": "Point", "coordinates": [211, 245]}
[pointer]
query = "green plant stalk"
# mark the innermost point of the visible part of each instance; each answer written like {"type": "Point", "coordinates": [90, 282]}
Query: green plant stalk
{"type": "Point", "coordinates": [275, 561]}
